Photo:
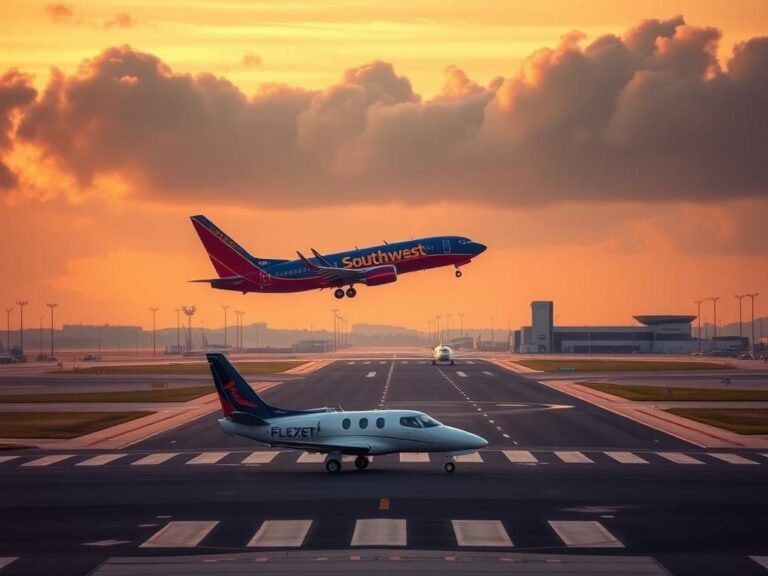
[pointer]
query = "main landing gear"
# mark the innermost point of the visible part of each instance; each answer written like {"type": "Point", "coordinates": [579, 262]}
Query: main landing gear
{"type": "Point", "coordinates": [361, 462]}
{"type": "Point", "coordinates": [339, 292]}
{"type": "Point", "coordinates": [333, 463]}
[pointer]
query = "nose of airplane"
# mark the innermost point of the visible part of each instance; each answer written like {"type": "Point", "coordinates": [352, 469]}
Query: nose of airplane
{"type": "Point", "coordinates": [476, 441]}
{"type": "Point", "coordinates": [480, 248]}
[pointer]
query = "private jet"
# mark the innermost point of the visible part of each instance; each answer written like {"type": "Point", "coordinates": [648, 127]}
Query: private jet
{"type": "Point", "coordinates": [333, 431]}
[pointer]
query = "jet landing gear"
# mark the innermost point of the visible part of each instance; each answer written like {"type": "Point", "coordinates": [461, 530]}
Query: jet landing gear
{"type": "Point", "coordinates": [361, 462]}
{"type": "Point", "coordinates": [333, 463]}
{"type": "Point", "coordinates": [450, 467]}
{"type": "Point", "coordinates": [339, 292]}
{"type": "Point", "coordinates": [458, 273]}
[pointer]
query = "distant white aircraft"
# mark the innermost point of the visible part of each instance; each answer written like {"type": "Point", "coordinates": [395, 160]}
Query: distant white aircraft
{"type": "Point", "coordinates": [332, 431]}
{"type": "Point", "coordinates": [442, 353]}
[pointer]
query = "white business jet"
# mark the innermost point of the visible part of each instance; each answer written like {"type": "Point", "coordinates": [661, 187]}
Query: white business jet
{"type": "Point", "coordinates": [332, 431]}
{"type": "Point", "coordinates": [442, 353]}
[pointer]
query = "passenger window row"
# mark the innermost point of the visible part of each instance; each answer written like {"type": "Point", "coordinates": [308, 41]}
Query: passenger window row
{"type": "Point", "coordinates": [363, 423]}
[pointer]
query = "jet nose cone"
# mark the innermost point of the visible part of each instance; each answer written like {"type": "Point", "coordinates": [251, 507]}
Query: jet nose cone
{"type": "Point", "coordinates": [480, 247]}
{"type": "Point", "coordinates": [477, 442]}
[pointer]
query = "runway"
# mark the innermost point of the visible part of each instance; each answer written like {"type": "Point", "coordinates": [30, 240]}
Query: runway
{"type": "Point", "coordinates": [561, 479]}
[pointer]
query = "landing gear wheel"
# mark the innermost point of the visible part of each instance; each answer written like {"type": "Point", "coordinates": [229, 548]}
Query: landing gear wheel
{"type": "Point", "coordinates": [450, 467]}
{"type": "Point", "coordinates": [361, 462]}
{"type": "Point", "coordinates": [333, 466]}
{"type": "Point", "coordinates": [458, 273]}
{"type": "Point", "coordinates": [339, 293]}
{"type": "Point", "coordinates": [351, 292]}
{"type": "Point", "coordinates": [451, 362]}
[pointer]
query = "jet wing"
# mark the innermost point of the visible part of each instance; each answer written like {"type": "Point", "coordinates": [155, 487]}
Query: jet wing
{"type": "Point", "coordinates": [226, 282]}
{"type": "Point", "coordinates": [332, 273]}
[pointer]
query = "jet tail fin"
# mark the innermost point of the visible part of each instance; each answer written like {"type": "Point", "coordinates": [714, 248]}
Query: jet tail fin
{"type": "Point", "coordinates": [227, 256]}
{"type": "Point", "coordinates": [235, 394]}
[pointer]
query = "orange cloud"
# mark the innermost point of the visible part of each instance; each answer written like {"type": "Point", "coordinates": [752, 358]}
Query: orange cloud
{"type": "Point", "coordinates": [59, 13]}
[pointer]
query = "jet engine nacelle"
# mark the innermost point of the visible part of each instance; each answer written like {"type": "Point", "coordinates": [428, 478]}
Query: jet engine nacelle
{"type": "Point", "coordinates": [381, 275]}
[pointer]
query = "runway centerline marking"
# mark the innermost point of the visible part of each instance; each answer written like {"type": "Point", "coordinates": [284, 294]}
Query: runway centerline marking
{"type": "Point", "coordinates": [370, 374]}
{"type": "Point", "coordinates": [383, 504]}
{"type": "Point", "coordinates": [460, 373]}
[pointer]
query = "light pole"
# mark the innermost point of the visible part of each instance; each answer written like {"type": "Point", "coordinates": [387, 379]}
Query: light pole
{"type": "Point", "coordinates": [189, 311]}
{"type": "Point", "coordinates": [448, 327]}
{"type": "Point", "coordinates": [714, 300]}
{"type": "Point", "coordinates": [154, 331]}
{"type": "Point", "coordinates": [8, 328]}
{"type": "Point", "coordinates": [334, 311]}
{"type": "Point", "coordinates": [52, 306]}
{"type": "Point", "coordinates": [438, 333]}
{"type": "Point", "coordinates": [225, 324]}
{"type": "Point", "coordinates": [698, 316]}
{"type": "Point", "coordinates": [461, 320]}
{"type": "Point", "coordinates": [21, 304]}
{"type": "Point", "coordinates": [752, 297]}
{"type": "Point", "coordinates": [178, 328]}
{"type": "Point", "coordinates": [237, 331]}
{"type": "Point", "coordinates": [40, 357]}
{"type": "Point", "coordinates": [493, 337]}
{"type": "Point", "coordinates": [740, 297]}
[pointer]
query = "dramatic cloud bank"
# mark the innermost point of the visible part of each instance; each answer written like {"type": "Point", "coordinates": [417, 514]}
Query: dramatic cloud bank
{"type": "Point", "coordinates": [648, 116]}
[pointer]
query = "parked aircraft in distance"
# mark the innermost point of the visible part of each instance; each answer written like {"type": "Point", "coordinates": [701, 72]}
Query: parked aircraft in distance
{"type": "Point", "coordinates": [442, 353]}
{"type": "Point", "coordinates": [241, 272]}
{"type": "Point", "coordinates": [333, 431]}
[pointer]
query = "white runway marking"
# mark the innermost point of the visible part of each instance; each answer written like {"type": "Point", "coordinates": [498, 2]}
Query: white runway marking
{"type": "Point", "coordinates": [351, 363]}
{"type": "Point", "coordinates": [470, 362]}
{"type": "Point", "coordinates": [260, 458]}
{"type": "Point", "coordinates": [405, 361]}
{"type": "Point", "coordinates": [679, 458]}
{"type": "Point", "coordinates": [470, 457]}
{"type": "Point", "coordinates": [180, 535]}
{"type": "Point", "coordinates": [310, 458]}
{"type": "Point", "coordinates": [627, 458]}
{"type": "Point", "coordinates": [573, 457]}
{"type": "Point", "coordinates": [7, 458]}
{"type": "Point", "coordinates": [520, 456]}
{"type": "Point", "coordinates": [481, 533]}
{"type": "Point", "coordinates": [370, 374]}
{"type": "Point", "coordinates": [101, 460]}
{"type": "Point", "coordinates": [379, 532]}
{"type": "Point", "coordinates": [274, 533]}
{"type": "Point", "coordinates": [762, 560]}
{"type": "Point", "coordinates": [731, 458]}
{"type": "Point", "coordinates": [154, 459]}
{"type": "Point", "coordinates": [208, 458]}
{"type": "Point", "coordinates": [383, 362]}
{"type": "Point", "coordinates": [5, 560]}
{"type": "Point", "coordinates": [487, 373]}
{"type": "Point", "coordinates": [462, 374]}
{"type": "Point", "coordinates": [584, 534]}
{"type": "Point", "coordinates": [48, 460]}
{"type": "Point", "coordinates": [414, 457]}
{"type": "Point", "coordinates": [367, 362]}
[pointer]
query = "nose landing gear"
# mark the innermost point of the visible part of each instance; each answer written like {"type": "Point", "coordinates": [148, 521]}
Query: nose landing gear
{"type": "Point", "coordinates": [450, 467]}
{"type": "Point", "coordinates": [458, 273]}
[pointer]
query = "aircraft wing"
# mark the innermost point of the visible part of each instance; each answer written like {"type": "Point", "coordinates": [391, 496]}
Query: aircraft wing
{"type": "Point", "coordinates": [226, 282]}
{"type": "Point", "coordinates": [336, 275]}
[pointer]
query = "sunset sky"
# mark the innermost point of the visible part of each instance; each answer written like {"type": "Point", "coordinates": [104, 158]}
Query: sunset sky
{"type": "Point", "coordinates": [612, 155]}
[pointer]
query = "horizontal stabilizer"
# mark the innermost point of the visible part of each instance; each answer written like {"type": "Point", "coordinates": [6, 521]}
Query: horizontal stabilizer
{"type": "Point", "coordinates": [246, 419]}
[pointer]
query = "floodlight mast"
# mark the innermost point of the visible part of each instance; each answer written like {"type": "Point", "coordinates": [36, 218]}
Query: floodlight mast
{"type": "Point", "coordinates": [189, 311]}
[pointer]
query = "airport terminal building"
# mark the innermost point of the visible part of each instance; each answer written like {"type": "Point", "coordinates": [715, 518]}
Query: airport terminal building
{"type": "Point", "coordinates": [654, 334]}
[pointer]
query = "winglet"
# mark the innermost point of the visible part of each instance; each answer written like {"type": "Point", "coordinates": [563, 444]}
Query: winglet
{"type": "Point", "coordinates": [307, 262]}
{"type": "Point", "coordinates": [321, 258]}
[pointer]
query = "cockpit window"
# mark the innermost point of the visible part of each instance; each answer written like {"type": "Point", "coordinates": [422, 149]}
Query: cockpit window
{"type": "Point", "coordinates": [464, 241]}
{"type": "Point", "coordinates": [427, 422]}
{"type": "Point", "coordinates": [410, 422]}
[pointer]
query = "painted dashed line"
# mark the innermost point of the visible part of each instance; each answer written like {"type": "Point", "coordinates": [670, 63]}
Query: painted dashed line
{"type": "Point", "coordinates": [474, 404]}
{"type": "Point", "coordinates": [386, 385]}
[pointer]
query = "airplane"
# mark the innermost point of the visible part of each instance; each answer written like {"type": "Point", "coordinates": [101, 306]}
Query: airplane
{"type": "Point", "coordinates": [332, 431]}
{"type": "Point", "coordinates": [442, 353]}
{"type": "Point", "coordinates": [241, 272]}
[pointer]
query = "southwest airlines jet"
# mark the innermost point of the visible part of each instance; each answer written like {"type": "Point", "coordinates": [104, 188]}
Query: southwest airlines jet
{"type": "Point", "coordinates": [241, 272]}
{"type": "Point", "coordinates": [332, 431]}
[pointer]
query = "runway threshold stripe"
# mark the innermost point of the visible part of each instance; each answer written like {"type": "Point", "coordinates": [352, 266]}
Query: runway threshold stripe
{"type": "Point", "coordinates": [679, 458]}
{"type": "Point", "coordinates": [370, 374]}
{"type": "Point", "coordinates": [279, 533]}
{"type": "Point", "coordinates": [5, 560]}
{"type": "Point", "coordinates": [414, 457]}
{"type": "Point", "coordinates": [584, 534]}
{"type": "Point", "coordinates": [731, 458]}
{"type": "Point", "coordinates": [462, 374]}
{"type": "Point", "coordinates": [520, 457]}
{"type": "Point", "coordinates": [470, 362]}
{"type": "Point", "coordinates": [762, 560]}
{"type": "Point", "coordinates": [48, 460]}
{"type": "Point", "coordinates": [470, 458]}
{"type": "Point", "coordinates": [310, 458]}
{"type": "Point", "coordinates": [351, 363]}
{"type": "Point", "coordinates": [487, 373]}
{"type": "Point", "coordinates": [101, 460]}
{"type": "Point", "coordinates": [208, 458]}
{"type": "Point", "coordinates": [573, 457]}
{"type": "Point", "coordinates": [260, 458]}
{"type": "Point", "coordinates": [7, 458]}
{"type": "Point", "coordinates": [481, 533]}
{"type": "Point", "coordinates": [379, 532]}
{"type": "Point", "coordinates": [627, 458]}
{"type": "Point", "coordinates": [155, 459]}
{"type": "Point", "coordinates": [180, 535]}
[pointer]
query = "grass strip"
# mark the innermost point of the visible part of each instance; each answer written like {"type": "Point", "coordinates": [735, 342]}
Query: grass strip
{"type": "Point", "coordinates": [671, 394]}
{"type": "Point", "coordinates": [60, 425]}
{"type": "Point", "coordinates": [185, 369]}
{"type": "Point", "coordinates": [169, 395]}
{"type": "Point", "coordinates": [619, 365]}
{"type": "Point", "coordinates": [739, 420]}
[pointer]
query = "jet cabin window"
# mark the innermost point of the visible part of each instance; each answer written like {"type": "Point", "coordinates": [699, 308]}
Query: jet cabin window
{"type": "Point", "coordinates": [379, 422]}
{"type": "Point", "coordinates": [346, 423]}
{"type": "Point", "coordinates": [363, 423]}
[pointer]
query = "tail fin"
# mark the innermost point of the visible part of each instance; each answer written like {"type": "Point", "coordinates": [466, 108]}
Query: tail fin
{"type": "Point", "coordinates": [235, 393]}
{"type": "Point", "coordinates": [228, 258]}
